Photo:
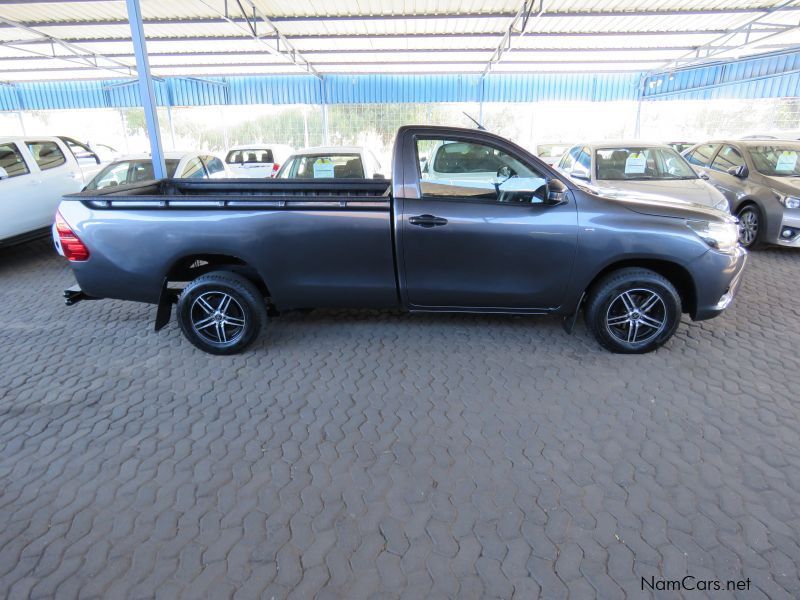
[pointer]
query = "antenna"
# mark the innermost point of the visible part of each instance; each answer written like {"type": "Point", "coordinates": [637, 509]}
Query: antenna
{"type": "Point", "coordinates": [477, 124]}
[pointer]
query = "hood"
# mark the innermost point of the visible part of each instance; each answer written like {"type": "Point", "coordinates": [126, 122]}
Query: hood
{"type": "Point", "coordinates": [662, 206]}
{"type": "Point", "coordinates": [694, 191]}
{"type": "Point", "coordinates": [788, 186]}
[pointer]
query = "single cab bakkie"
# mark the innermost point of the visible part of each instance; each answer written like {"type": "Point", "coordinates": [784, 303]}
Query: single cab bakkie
{"type": "Point", "coordinates": [469, 222]}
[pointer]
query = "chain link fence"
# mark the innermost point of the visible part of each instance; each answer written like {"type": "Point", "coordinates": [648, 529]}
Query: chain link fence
{"type": "Point", "coordinates": [215, 128]}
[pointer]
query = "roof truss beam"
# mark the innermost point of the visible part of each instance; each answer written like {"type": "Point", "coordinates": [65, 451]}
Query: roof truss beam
{"type": "Point", "coordinates": [272, 39]}
{"type": "Point", "coordinates": [490, 34]}
{"type": "Point", "coordinates": [74, 53]}
{"type": "Point", "coordinates": [754, 30]}
{"type": "Point", "coordinates": [518, 26]}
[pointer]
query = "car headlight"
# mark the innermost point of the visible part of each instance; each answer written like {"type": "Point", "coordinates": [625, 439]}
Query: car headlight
{"type": "Point", "coordinates": [723, 205]}
{"type": "Point", "coordinates": [722, 236]}
{"type": "Point", "coordinates": [790, 201]}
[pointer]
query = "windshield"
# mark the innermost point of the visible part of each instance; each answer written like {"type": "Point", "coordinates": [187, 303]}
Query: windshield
{"type": "Point", "coordinates": [323, 166]}
{"type": "Point", "coordinates": [641, 163]}
{"type": "Point", "coordinates": [551, 150]}
{"type": "Point", "coordinates": [776, 160]}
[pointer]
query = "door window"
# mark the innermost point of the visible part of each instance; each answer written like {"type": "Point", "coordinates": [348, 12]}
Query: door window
{"type": "Point", "coordinates": [569, 159]}
{"type": "Point", "coordinates": [194, 169]}
{"type": "Point", "coordinates": [728, 157]}
{"type": "Point", "coordinates": [213, 164]}
{"type": "Point", "coordinates": [47, 154]}
{"type": "Point", "coordinates": [701, 156]}
{"type": "Point", "coordinates": [461, 170]}
{"type": "Point", "coordinates": [11, 161]}
{"type": "Point", "coordinates": [81, 152]}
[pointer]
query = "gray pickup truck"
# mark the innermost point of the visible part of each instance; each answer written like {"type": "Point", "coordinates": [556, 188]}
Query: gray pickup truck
{"type": "Point", "coordinates": [470, 222]}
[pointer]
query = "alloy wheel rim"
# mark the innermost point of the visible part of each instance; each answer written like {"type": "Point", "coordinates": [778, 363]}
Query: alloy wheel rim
{"type": "Point", "coordinates": [218, 318]}
{"type": "Point", "coordinates": [748, 227]}
{"type": "Point", "coordinates": [636, 316]}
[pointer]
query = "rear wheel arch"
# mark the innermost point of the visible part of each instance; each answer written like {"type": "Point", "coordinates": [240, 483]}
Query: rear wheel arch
{"type": "Point", "coordinates": [192, 266]}
{"type": "Point", "coordinates": [673, 272]}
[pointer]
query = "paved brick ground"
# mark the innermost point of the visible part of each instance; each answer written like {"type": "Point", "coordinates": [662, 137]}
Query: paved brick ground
{"type": "Point", "coordinates": [357, 455]}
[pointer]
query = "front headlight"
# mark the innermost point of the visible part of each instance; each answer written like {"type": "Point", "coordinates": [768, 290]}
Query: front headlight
{"type": "Point", "coordinates": [719, 235]}
{"type": "Point", "coordinates": [790, 201]}
{"type": "Point", "coordinates": [723, 206]}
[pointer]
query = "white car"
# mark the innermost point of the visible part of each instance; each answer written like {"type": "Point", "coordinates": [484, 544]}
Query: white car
{"type": "Point", "coordinates": [139, 167]}
{"type": "Point", "coordinates": [35, 172]}
{"type": "Point", "coordinates": [337, 162]}
{"type": "Point", "coordinates": [256, 160]}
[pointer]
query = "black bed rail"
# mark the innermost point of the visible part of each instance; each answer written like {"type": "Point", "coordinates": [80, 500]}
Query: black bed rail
{"type": "Point", "coordinates": [363, 194]}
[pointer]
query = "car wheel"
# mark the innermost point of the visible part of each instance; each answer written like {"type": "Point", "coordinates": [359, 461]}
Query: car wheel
{"type": "Point", "coordinates": [749, 225]}
{"type": "Point", "coordinates": [633, 311]}
{"type": "Point", "coordinates": [221, 312]}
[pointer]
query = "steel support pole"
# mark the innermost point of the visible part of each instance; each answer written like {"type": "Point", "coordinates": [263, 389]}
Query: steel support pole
{"type": "Point", "coordinates": [21, 122]}
{"type": "Point", "coordinates": [637, 127]}
{"type": "Point", "coordinates": [325, 141]}
{"type": "Point", "coordinates": [324, 97]}
{"type": "Point", "coordinates": [146, 91]}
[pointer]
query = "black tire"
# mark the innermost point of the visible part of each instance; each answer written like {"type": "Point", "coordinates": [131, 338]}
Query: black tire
{"type": "Point", "coordinates": [614, 318]}
{"type": "Point", "coordinates": [219, 329]}
{"type": "Point", "coordinates": [750, 216]}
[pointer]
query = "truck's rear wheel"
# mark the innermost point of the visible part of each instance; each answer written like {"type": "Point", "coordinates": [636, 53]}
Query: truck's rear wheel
{"type": "Point", "coordinates": [633, 311]}
{"type": "Point", "coordinates": [221, 312]}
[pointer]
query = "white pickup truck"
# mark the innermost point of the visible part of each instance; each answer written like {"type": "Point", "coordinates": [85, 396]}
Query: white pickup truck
{"type": "Point", "coordinates": [35, 172]}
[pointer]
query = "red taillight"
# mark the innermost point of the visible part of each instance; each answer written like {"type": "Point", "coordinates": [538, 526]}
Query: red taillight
{"type": "Point", "coordinates": [72, 247]}
{"type": "Point", "coordinates": [275, 168]}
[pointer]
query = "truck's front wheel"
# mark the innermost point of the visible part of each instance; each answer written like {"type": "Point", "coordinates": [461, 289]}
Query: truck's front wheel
{"type": "Point", "coordinates": [633, 311]}
{"type": "Point", "coordinates": [221, 312]}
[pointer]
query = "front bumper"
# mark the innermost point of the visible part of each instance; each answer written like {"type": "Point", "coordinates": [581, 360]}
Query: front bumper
{"type": "Point", "coordinates": [717, 278]}
{"type": "Point", "coordinates": [790, 224]}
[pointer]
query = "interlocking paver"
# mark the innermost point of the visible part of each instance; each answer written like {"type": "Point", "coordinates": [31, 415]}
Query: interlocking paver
{"type": "Point", "coordinates": [373, 454]}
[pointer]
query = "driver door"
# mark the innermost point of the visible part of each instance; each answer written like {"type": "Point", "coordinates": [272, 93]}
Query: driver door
{"type": "Point", "coordinates": [481, 233]}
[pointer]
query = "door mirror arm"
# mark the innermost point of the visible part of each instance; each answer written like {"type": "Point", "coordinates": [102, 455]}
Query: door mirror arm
{"type": "Point", "coordinates": [579, 174]}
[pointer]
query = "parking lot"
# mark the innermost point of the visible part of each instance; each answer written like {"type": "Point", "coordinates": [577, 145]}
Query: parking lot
{"type": "Point", "coordinates": [378, 454]}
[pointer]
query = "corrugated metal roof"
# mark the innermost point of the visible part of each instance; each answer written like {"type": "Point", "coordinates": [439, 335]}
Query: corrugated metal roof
{"type": "Point", "coordinates": [189, 37]}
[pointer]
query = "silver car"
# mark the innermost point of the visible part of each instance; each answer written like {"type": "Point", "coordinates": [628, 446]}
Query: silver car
{"type": "Point", "coordinates": [653, 172]}
{"type": "Point", "coordinates": [761, 180]}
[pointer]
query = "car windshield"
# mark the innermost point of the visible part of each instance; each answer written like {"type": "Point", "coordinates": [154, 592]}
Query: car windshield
{"type": "Point", "coordinates": [128, 171]}
{"type": "Point", "coordinates": [641, 163]}
{"type": "Point", "coordinates": [776, 160]}
{"type": "Point", "coordinates": [323, 166]}
{"type": "Point", "coordinates": [551, 150]}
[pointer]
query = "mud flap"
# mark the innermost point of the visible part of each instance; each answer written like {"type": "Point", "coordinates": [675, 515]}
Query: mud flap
{"type": "Point", "coordinates": [568, 321]}
{"type": "Point", "coordinates": [167, 298]}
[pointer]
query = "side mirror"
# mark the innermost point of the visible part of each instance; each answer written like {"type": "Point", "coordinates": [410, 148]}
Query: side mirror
{"type": "Point", "coordinates": [741, 171]}
{"type": "Point", "coordinates": [556, 192]}
{"type": "Point", "coordinates": [580, 174]}
{"type": "Point", "coordinates": [3, 173]}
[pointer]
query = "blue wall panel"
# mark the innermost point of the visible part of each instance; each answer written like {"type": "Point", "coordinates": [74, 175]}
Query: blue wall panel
{"type": "Point", "coordinates": [274, 89]}
{"type": "Point", "coordinates": [772, 76]}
